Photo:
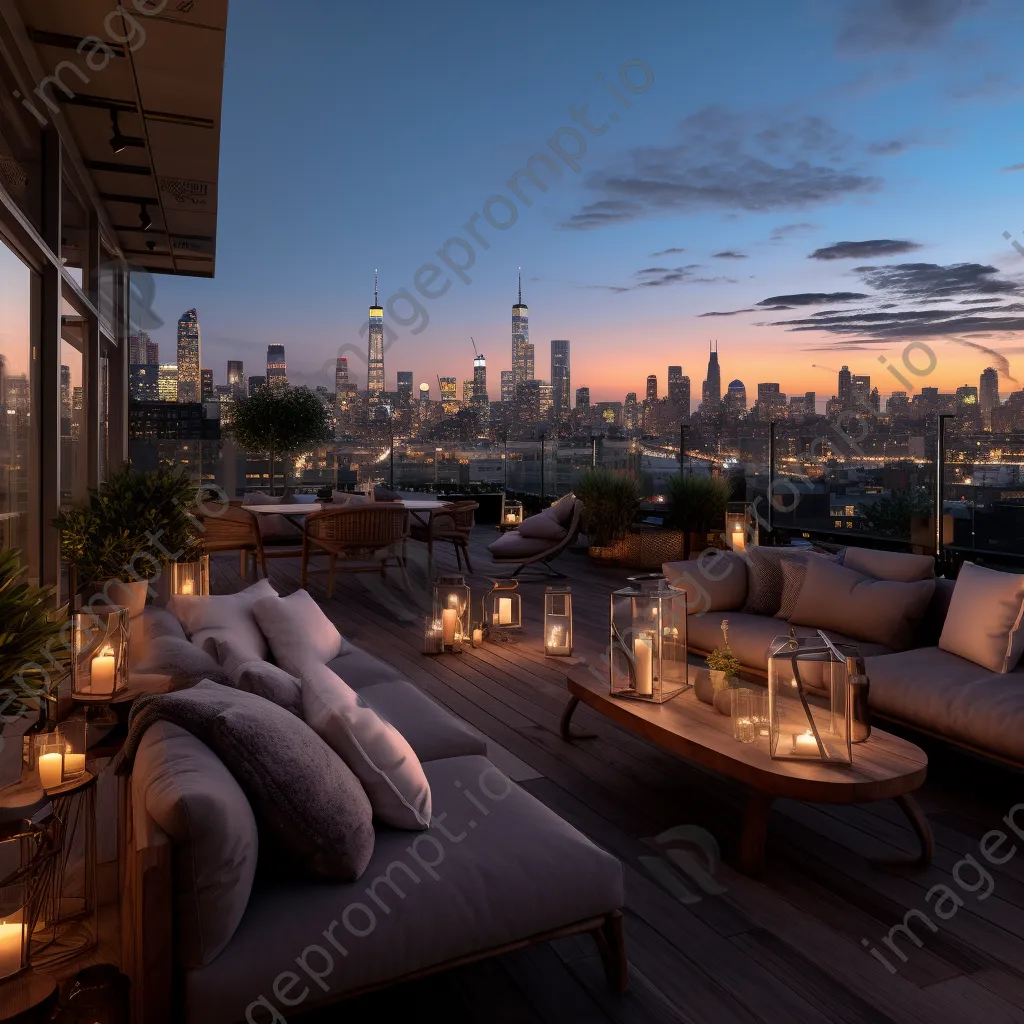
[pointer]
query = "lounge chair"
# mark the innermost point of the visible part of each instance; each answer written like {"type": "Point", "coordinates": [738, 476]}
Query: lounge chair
{"type": "Point", "coordinates": [540, 539]}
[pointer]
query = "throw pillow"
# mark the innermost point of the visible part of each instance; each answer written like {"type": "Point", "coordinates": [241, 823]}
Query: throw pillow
{"type": "Point", "coordinates": [260, 677]}
{"type": "Point", "coordinates": [189, 793]}
{"type": "Point", "coordinates": [273, 529]}
{"type": "Point", "coordinates": [209, 619]}
{"type": "Point", "coordinates": [764, 578]}
{"type": "Point", "coordinates": [878, 611]}
{"type": "Point", "coordinates": [714, 582]}
{"type": "Point", "coordinates": [543, 526]}
{"type": "Point", "coordinates": [984, 621]}
{"type": "Point", "coordinates": [385, 494]}
{"type": "Point", "coordinates": [794, 572]}
{"type": "Point", "coordinates": [378, 754]}
{"type": "Point", "coordinates": [564, 508]}
{"type": "Point", "coordinates": [890, 565]}
{"type": "Point", "coordinates": [348, 498]}
{"type": "Point", "coordinates": [298, 631]}
{"type": "Point", "coordinates": [183, 664]}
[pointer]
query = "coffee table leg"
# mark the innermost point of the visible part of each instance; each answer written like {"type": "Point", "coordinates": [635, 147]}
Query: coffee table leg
{"type": "Point", "coordinates": [750, 859]}
{"type": "Point", "coordinates": [567, 733]}
{"type": "Point", "coordinates": [919, 823]}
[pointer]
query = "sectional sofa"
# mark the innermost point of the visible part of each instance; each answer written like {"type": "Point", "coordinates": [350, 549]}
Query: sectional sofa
{"type": "Point", "coordinates": [942, 656]}
{"type": "Point", "coordinates": [208, 939]}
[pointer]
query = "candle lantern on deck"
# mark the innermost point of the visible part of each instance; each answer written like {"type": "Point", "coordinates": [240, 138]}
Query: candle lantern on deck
{"type": "Point", "coordinates": [647, 649]}
{"type": "Point", "coordinates": [809, 700]}
{"type": "Point", "coordinates": [191, 579]}
{"type": "Point", "coordinates": [558, 622]}
{"type": "Point", "coordinates": [451, 610]}
{"type": "Point", "coordinates": [511, 513]}
{"type": "Point", "coordinates": [99, 653]}
{"type": "Point", "coordinates": [503, 609]}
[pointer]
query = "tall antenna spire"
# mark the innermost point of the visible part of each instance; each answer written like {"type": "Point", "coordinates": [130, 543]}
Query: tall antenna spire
{"type": "Point", "coordinates": [375, 287]}
{"type": "Point", "coordinates": [520, 286]}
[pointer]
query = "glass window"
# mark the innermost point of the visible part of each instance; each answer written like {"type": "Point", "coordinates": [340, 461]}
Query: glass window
{"type": "Point", "coordinates": [74, 234]}
{"type": "Point", "coordinates": [74, 464]}
{"type": "Point", "coordinates": [19, 469]}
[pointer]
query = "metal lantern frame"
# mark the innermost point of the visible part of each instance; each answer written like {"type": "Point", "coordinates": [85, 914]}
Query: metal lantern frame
{"type": "Point", "coordinates": [647, 654]}
{"type": "Point", "coordinates": [558, 621]}
{"type": "Point", "coordinates": [502, 619]}
{"type": "Point", "coordinates": [511, 514]}
{"type": "Point", "coordinates": [191, 579]}
{"type": "Point", "coordinates": [99, 632]}
{"type": "Point", "coordinates": [801, 729]}
{"type": "Point", "coordinates": [739, 531]}
{"type": "Point", "coordinates": [452, 594]}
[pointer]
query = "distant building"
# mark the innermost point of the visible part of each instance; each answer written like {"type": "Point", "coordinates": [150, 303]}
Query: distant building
{"type": "Point", "coordinates": [711, 392]}
{"type": "Point", "coordinates": [277, 367]}
{"type": "Point", "coordinates": [375, 348]}
{"type": "Point", "coordinates": [844, 389]}
{"type": "Point", "coordinates": [449, 395]}
{"type": "Point", "coordinates": [988, 395]}
{"type": "Point", "coordinates": [167, 382]}
{"type": "Point", "coordinates": [143, 383]}
{"type": "Point", "coordinates": [236, 379]}
{"type": "Point", "coordinates": [508, 386]}
{"type": "Point", "coordinates": [736, 399]}
{"type": "Point", "coordinates": [583, 398]}
{"type": "Point", "coordinates": [522, 350]}
{"type": "Point", "coordinates": [561, 378]}
{"type": "Point", "coordinates": [256, 382]}
{"type": "Point", "coordinates": [405, 387]}
{"type": "Point", "coordinates": [207, 385]}
{"type": "Point", "coordinates": [189, 358]}
{"type": "Point", "coordinates": [479, 395]}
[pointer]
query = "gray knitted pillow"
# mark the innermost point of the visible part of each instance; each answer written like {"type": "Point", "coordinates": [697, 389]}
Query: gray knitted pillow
{"type": "Point", "coordinates": [794, 572]}
{"type": "Point", "coordinates": [764, 578]}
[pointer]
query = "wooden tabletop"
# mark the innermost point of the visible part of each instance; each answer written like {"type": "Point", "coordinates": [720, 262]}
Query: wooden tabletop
{"type": "Point", "coordinates": [293, 509]}
{"type": "Point", "coordinates": [883, 767]}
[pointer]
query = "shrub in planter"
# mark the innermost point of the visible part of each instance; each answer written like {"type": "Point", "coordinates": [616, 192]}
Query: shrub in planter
{"type": "Point", "coordinates": [610, 503]}
{"type": "Point", "coordinates": [696, 504]}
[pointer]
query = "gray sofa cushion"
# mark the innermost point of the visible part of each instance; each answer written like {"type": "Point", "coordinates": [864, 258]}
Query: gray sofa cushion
{"type": "Point", "coordinates": [716, 581]}
{"type": "Point", "coordinates": [951, 697]}
{"type": "Point", "coordinates": [474, 881]}
{"type": "Point", "coordinates": [188, 792]}
{"type": "Point", "coordinates": [181, 663]}
{"type": "Point", "coordinates": [512, 547]}
{"type": "Point", "coordinates": [543, 526]}
{"type": "Point", "coordinates": [225, 617]}
{"type": "Point", "coordinates": [897, 566]}
{"type": "Point", "coordinates": [359, 668]}
{"type": "Point", "coordinates": [985, 623]}
{"type": "Point", "coordinates": [260, 677]}
{"type": "Point", "coordinates": [298, 631]}
{"type": "Point", "coordinates": [432, 732]}
{"type": "Point", "coordinates": [764, 576]}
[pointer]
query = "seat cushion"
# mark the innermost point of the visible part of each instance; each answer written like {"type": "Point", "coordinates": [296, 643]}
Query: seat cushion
{"type": "Point", "coordinates": [543, 526]}
{"type": "Point", "coordinates": [188, 792]}
{"type": "Point", "coordinates": [511, 547]}
{"type": "Point", "coordinates": [889, 565]}
{"type": "Point", "coordinates": [985, 621]}
{"type": "Point", "coordinates": [952, 697]}
{"type": "Point", "coordinates": [432, 732]}
{"type": "Point", "coordinates": [359, 668]}
{"type": "Point", "coordinates": [225, 617]}
{"type": "Point", "coordinates": [298, 631]}
{"type": "Point", "coordinates": [477, 880]}
{"type": "Point", "coordinates": [714, 582]}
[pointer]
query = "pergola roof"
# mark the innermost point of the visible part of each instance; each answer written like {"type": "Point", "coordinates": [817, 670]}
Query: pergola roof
{"type": "Point", "coordinates": [164, 82]}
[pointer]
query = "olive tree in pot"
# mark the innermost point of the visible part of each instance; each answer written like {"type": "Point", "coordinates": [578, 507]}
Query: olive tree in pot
{"type": "Point", "coordinates": [33, 656]}
{"type": "Point", "coordinates": [280, 424]}
{"type": "Point", "coordinates": [696, 505]}
{"type": "Point", "coordinates": [610, 503]}
{"type": "Point", "coordinates": [134, 525]}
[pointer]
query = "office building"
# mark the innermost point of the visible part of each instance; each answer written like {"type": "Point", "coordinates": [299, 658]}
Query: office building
{"type": "Point", "coordinates": [405, 387]}
{"type": "Point", "coordinates": [256, 382]}
{"type": "Point", "coordinates": [479, 379]}
{"type": "Point", "coordinates": [860, 391]}
{"type": "Point", "coordinates": [561, 380]}
{"type": "Point", "coordinates": [583, 398]}
{"type": "Point", "coordinates": [167, 382]}
{"type": "Point", "coordinates": [277, 367]}
{"type": "Point", "coordinates": [375, 349]}
{"type": "Point", "coordinates": [189, 358]}
{"type": "Point", "coordinates": [736, 399]}
{"type": "Point", "coordinates": [449, 395]}
{"type": "Point", "coordinates": [143, 351]}
{"type": "Point", "coordinates": [508, 386]}
{"type": "Point", "coordinates": [522, 350]}
{"type": "Point", "coordinates": [206, 391]}
{"type": "Point", "coordinates": [844, 388]}
{"type": "Point", "coordinates": [711, 392]}
{"type": "Point", "coordinates": [652, 388]}
{"type": "Point", "coordinates": [467, 391]}
{"type": "Point", "coordinates": [988, 395]}
{"type": "Point", "coordinates": [236, 379]}
{"type": "Point", "coordinates": [143, 383]}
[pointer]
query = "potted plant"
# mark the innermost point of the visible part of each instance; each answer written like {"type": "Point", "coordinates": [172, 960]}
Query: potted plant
{"type": "Point", "coordinates": [696, 505]}
{"type": "Point", "coordinates": [32, 658]}
{"type": "Point", "coordinates": [280, 424]}
{"type": "Point", "coordinates": [134, 525]}
{"type": "Point", "coordinates": [724, 669]}
{"type": "Point", "coordinates": [610, 503]}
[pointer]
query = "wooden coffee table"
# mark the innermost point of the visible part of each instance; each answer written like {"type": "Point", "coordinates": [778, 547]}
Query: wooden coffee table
{"type": "Point", "coordinates": [885, 767]}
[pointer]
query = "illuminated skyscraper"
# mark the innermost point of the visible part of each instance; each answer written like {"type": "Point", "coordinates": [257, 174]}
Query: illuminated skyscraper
{"type": "Point", "coordinates": [449, 394]}
{"type": "Point", "coordinates": [340, 377]}
{"type": "Point", "coordinates": [277, 367]}
{"type": "Point", "coordinates": [988, 395]}
{"type": "Point", "coordinates": [711, 393]}
{"type": "Point", "coordinates": [480, 379]}
{"type": "Point", "coordinates": [236, 379]}
{"type": "Point", "coordinates": [375, 351]}
{"type": "Point", "coordinates": [206, 391]}
{"type": "Point", "coordinates": [167, 382]}
{"type": "Point", "coordinates": [736, 399]}
{"type": "Point", "coordinates": [190, 382]}
{"type": "Point", "coordinates": [582, 398]}
{"type": "Point", "coordinates": [508, 386]}
{"type": "Point", "coordinates": [467, 391]}
{"type": "Point", "coordinates": [404, 387]}
{"type": "Point", "coordinates": [679, 391]}
{"type": "Point", "coordinates": [560, 377]}
{"type": "Point", "coordinates": [142, 351]}
{"type": "Point", "coordinates": [256, 382]}
{"type": "Point", "coordinates": [522, 350]}
{"type": "Point", "coordinates": [843, 388]}
{"type": "Point", "coordinates": [652, 387]}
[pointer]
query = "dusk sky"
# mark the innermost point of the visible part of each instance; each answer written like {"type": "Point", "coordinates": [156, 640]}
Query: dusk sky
{"type": "Point", "coordinates": [809, 182]}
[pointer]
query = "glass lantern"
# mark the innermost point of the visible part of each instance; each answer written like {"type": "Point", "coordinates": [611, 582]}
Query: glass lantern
{"type": "Point", "coordinates": [511, 514]}
{"type": "Point", "coordinates": [191, 579]}
{"type": "Point", "coordinates": [739, 532]}
{"type": "Point", "coordinates": [14, 916]}
{"type": "Point", "coordinates": [72, 736]}
{"type": "Point", "coordinates": [647, 649]}
{"type": "Point", "coordinates": [432, 636]}
{"type": "Point", "coordinates": [800, 730]}
{"type": "Point", "coordinates": [48, 757]}
{"type": "Point", "coordinates": [558, 622]}
{"type": "Point", "coordinates": [451, 609]}
{"type": "Point", "coordinates": [503, 608]}
{"type": "Point", "coordinates": [99, 653]}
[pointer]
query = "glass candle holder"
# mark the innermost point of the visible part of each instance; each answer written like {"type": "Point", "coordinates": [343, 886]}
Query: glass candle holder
{"type": "Point", "coordinates": [432, 636]}
{"type": "Point", "coordinates": [72, 734]}
{"type": "Point", "coordinates": [743, 727]}
{"type": "Point", "coordinates": [99, 652]}
{"type": "Point", "coordinates": [191, 579]}
{"type": "Point", "coordinates": [49, 759]}
{"type": "Point", "coordinates": [558, 622]}
{"type": "Point", "coordinates": [503, 607]}
{"type": "Point", "coordinates": [13, 929]}
{"type": "Point", "coordinates": [451, 608]}
{"type": "Point", "coordinates": [759, 711]}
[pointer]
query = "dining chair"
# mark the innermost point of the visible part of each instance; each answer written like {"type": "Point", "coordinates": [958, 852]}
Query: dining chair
{"type": "Point", "coordinates": [453, 522]}
{"type": "Point", "coordinates": [228, 527]}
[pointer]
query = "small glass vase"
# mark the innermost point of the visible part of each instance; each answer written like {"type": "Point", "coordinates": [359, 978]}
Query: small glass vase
{"type": "Point", "coordinates": [743, 726]}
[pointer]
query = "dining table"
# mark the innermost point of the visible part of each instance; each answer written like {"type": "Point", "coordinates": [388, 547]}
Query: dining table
{"type": "Point", "coordinates": [296, 512]}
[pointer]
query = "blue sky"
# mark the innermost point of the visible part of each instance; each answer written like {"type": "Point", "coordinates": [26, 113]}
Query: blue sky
{"type": "Point", "coordinates": [362, 137]}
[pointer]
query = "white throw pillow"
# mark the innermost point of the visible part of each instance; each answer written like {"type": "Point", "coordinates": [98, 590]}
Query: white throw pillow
{"type": "Point", "coordinates": [260, 677]}
{"type": "Point", "coordinates": [225, 617]}
{"type": "Point", "coordinates": [298, 632]}
{"type": "Point", "coordinates": [378, 754]}
{"type": "Point", "coordinates": [983, 623]}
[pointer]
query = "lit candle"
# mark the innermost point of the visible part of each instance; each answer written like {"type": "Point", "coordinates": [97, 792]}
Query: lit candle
{"type": "Point", "coordinates": [504, 611]}
{"type": "Point", "coordinates": [805, 744]}
{"type": "Point", "coordinates": [188, 587]}
{"type": "Point", "coordinates": [74, 764]}
{"type": "Point", "coordinates": [510, 518]}
{"type": "Point", "coordinates": [555, 636]}
{"type": "Point", "coordinates": [449, 618]}
{"type": "Point", "coordinates": [478, 637]}
{"type": "Point", "coordinates": [643, 653]}
{"type": "Point", "coordinates": [10, 945]}
{"type": "Point", "coordinates": [51, 770]}
{"type": "Point", "coordinates": [738, 538]}
{"type": "Point", "coordinates": [104, 667]}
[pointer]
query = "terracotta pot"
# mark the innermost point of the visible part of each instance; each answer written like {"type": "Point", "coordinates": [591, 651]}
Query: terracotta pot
{"type": "Point", "coordinates": [703, 687]}
{"type": "Point", "coordinates": [116, 592]}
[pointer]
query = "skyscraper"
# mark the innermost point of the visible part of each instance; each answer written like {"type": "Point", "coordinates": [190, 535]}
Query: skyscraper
{"type": "Point", "coordinates": [256, 382]}
{"type": "Point", "coordinates": [583, 398]}
{"type": "Point", "coordinates": [167, 382]}
{"type": "Point", "coordinates": [988, 395]}
{"type": "Point", "coordinates": [560, 377]}
{"type": "Point", "coordinates": [508, 385]}
{"type": "Point", "coordinates": [521, 371]}
{"type": "Point", "coordinates": [467, 391]}
{"type": "Point", "coordinates": [142, 351]}
{"type": "Point", "coordinates": [711, 392]}
{"type": "Point", "coordinates": [449, 394]}
{"type": "Point", "coordinates": [860, 391]}
{"type": "Point", "coordinates": [736, 399]}
{"type": "Point", "coordinates": [236, 379]}
{"type": "Point", "coordinates": [206, 390]}
{"type": "Point", "coordinates": [190, 383]}
{"type": "Point", "coordinates": [277, 367]}
{"type": "Point", "coordinates": [844, 392]}
{"type": "Point", "coordinates": [340, 378]}
{"type": "Point", "coordinates": [404, 387]}
{"type": "Point", "coordinates": [479, 379]}
{"type": "Point", "coordinates": [652, 387]}
{"type": "Point", "coordinates": [679, 391]}
{"type": "Point", "coordinates": [375, 350]}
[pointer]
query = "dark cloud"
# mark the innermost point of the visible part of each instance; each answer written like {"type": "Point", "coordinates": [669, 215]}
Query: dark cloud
{"type": "Point", "coordinates": [660, 277]}
{"type": "Point", "coordinates": [728, 161]}
{"type": "Point", "coordinates": [903, 323]}
{"type": "Point", "coordinates": [872, 25]}
{"type": "Point", "coordinates": [785, 230]}
{"type": "Point", "coordinates": [871, 249]}
{"type": "Point", "coordinates": [891, 148]}
{"type": "Point", "coordinates": [730, 254]}
{"type": "Point", "coordinates": [809, 299]}
{"type": "Point", "coordinates": [930, 281]}
{"type": "Point", "coordinates": [666, 252]}
{"type": "Point", "coordinates": [729, 312]}
{"type": "Point", "coordinates": [1012, 168]}
{"type": "Point", "coordinates": [999, 360]}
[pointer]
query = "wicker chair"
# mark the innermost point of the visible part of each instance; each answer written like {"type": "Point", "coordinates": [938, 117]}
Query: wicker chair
{"type": "Point", "coordinates": [362, 533]}
{"type": "Point", "coordinates": [231, 528]}
{"type": "Point", "coordinates": [453, 522]}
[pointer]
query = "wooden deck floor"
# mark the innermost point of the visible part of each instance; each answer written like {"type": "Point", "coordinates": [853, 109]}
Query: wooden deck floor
{"type": "Point", "coordinates": [793, 945]}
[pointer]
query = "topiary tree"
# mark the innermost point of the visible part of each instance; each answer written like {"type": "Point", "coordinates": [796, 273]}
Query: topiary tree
{"type": "Point", "coordinates": [610, 503]}
{"type": "Point", "coordinates": [696, 504]}
{"type": "Point", "coordinates": [280, 424]}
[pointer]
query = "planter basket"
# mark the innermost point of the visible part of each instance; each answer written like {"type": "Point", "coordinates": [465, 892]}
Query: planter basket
{"type": "Point", "coordinates": [649, 547]}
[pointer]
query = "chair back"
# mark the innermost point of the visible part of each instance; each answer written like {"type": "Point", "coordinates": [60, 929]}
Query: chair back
{"type": "Point", "coordinates": [371, 526]}
{"type": "Point", "coordinates": [463, 515]}
{"type": "Point", "coordinates": [229, 528]}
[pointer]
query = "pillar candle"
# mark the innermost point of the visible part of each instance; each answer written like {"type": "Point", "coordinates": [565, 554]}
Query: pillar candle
{"type": "Point", "coordinates": [10, 944]}
{"type": "Point", "coordinates": [187, 587]}
{"type": "Point", "coordinates": [103, 670]}
{"type": "Point", "coordinates": [449, 617]}
{"type": "Point", "coordinates": [504, 611]}
{"type": "Point", "coordinates": [805, 744]}
{"type": "Point", "coordinates": [74, 764]}
{"type": "Point", "coordinates": [51, 770]}
{"type": "Point", "coordinates": [643, 653]}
